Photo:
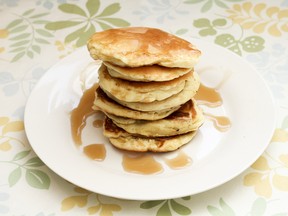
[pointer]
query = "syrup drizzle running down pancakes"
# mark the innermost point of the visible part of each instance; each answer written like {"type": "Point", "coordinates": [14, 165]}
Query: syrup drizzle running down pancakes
{"type": "Point", "coordinates": [81, 113]}
{"type": "Point", "coordinates": [134, 162]}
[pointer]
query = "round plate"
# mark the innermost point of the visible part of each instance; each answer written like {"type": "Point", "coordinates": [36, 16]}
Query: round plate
{"type": "Point", "coordinates": [216, 156]}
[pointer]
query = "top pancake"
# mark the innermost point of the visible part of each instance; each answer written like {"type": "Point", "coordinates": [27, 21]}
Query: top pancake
{"type": "Point", "coordinates": [140, 46]}
{"type": "Point", "coordinates": [126, 141]}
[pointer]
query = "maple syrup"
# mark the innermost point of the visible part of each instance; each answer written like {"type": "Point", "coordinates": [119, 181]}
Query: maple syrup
{"type": "Point", "coordinates": [98, 123]}
{"type": "Point", "coordinates": [181, 160]}
{"type": "Point", "coordinates": [208, 96]}
{"type": "Point", "coordinates": [95, 151]}
{"type": "Point", "coordinates": [81, 113]}
{"type": "Point", "coordinates": [221, 123]}
{"type": "Point", "coordinates": [141, 164]}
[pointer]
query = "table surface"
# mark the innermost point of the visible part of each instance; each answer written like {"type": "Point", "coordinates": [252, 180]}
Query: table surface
{"type": "Point", "coordinates": [30, 44]}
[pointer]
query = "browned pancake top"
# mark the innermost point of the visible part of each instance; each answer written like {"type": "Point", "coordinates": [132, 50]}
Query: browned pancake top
{"type": "Point", "coordinates": [138, 46]}
{"type": "Point", "coordinates": [143, 40]}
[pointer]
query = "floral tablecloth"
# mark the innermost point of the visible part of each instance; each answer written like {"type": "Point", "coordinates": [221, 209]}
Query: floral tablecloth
{"type": "Point", "coordinates": [34, 35]}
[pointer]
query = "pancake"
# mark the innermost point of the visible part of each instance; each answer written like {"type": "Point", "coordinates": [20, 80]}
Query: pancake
{"type": "Point", "coordinates": [188, 118]}
{"type": "Point", "coordinates": [139, 46]}
{"type": "Point", "coordinates": [107, 105]}
{"type": "Point", "coordinates": [191, 86]}
{"type": "Point", "coordinates": [130, 91]}
{"type": "Point", "coordinates": [123, 140]}
{"type": "Point", "coordinates": [146, 73]}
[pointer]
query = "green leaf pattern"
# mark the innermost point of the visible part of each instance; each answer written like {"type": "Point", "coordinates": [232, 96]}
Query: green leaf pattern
{"type": "Point", "coordinates": [237, 45]}
{"type": "Point", "coordinates": [21, 155]}
{"type": "Point", "coordinates": [168, 207]}
{"type": "Point", "coordinates": [37, 179]}
{"type": "Point", "coordinates": [26, 35]}
{"type": "Point", "coordinates": [88, 18]}
{"type": "Point", "coordinates": [208, 27]}
{"type": "Point", "coordinates": [207, 5]}
{"type": "Point", "coordinates": [34, 176]}
{"type": "Point", "coordinates": [32, 29]}
{"type": "Point", "coordinates": [223, 210]}
{"type": "Point", "coordinates": [258, 207]}
{"type": "Point", "coordinates": [14, 176]}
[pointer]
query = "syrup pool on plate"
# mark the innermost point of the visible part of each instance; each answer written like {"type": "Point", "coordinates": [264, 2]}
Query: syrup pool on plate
{"type": "Point", "coordinates": [141, 163]}
{"type": "Point", "coordinates": [95, 151]}
{"type": "Point", "coordinates": [181, 160]}
{"type": "Point", "coordinates": [208, 96]}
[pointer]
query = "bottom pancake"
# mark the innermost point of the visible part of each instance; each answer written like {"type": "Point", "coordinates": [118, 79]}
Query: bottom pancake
{"type": "Point", "coordinates": [126, 141]}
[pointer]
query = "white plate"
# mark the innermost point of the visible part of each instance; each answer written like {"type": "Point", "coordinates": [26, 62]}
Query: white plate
{"type": "Point", "coordinates": [217, 156]}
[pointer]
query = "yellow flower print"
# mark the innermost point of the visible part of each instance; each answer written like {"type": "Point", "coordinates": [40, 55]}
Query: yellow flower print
{"type": "Point", "coordinates": [284, 159]}
{"type": "Point", "coordinates": [64, 48]}
{"type": "Point", "coordinates": [273, 174]}
{"type": "Point", "coordinates": [261, 164]}
{"type": "Point", "coordinates": [280, 182]}
{"type": "Point", "coordinates": [265, 177]}
{"type": "Point", "coordinates": [60, 46]}
{"type": "Point", "coordinates": [81, 200]}
{"type": "Point", "coordinates": [77, 200]}
{"type": "Point", "coordinates": [106, 209]}
{"type": "Point", "coordinates": [260, 180]}
{"type": "Point", "coordinates": [74, 201]}
{"type": "Point", "coordinates": [9, 127]}
{"type": "Point", "coordinates": [4, 33]}
{"type": "Point", "coordinates": [259, 18]}
{"type": "Point", "coordinates": [5, 146]}
{"type": "Point", "coordinates": [280, 135]}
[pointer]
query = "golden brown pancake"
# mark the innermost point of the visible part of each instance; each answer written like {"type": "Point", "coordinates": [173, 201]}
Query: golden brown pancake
{"type": "Point", "coordinates": [146, 73]}
{"type": "Point", "coordinates": [107, 105]}
{"type": "Point", "coordinates": [130, 91]}
{"type": "Point", "coordinates": [126, 141]}
{"type": "Point", "coordinates": [139, 46]}
{"type": "Point", "coordinates": [188, 118]}
{"type": "Point", "coordinates": [146, 88]}
{"type": "Point", "coordinates": [191, 86]}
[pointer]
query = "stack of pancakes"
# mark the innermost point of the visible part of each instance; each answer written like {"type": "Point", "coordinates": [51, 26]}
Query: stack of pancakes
{"type": "Point", "coordinates": [146, 88]}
